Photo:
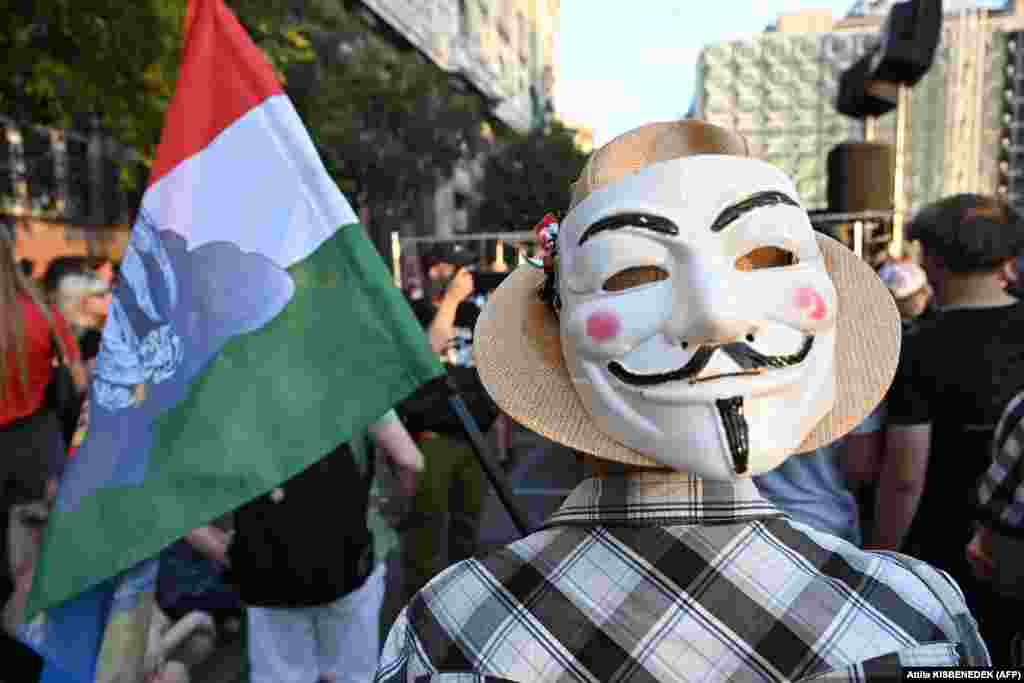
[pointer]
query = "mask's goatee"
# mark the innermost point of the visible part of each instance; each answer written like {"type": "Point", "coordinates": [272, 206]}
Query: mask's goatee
{"type": "Point", "coordinates": [737, 431]}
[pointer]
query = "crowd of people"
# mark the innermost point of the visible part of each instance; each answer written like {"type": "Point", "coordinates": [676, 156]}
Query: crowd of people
{"type": "Point", "coordinates": [932, 470]}
{"type": "Point", "coordinates": [929, 473]}
{"type": "Point", "coordinates": [49, 334]}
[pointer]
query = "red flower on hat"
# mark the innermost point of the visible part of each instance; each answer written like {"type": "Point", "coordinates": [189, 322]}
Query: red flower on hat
{"type": "Point", "coordinates": [547, 236]}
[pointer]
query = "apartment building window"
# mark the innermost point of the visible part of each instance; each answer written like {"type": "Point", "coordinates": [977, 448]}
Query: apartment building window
{"type": "Point", "coordinates": [7, 169]}
{"type": "Point", "coordinates": [524, 37]}
{"type": "Point", "coordinates": [40, 169]}
{"type": "Point", "coordinates": [504, 23]}
{"type": "Point", "coordinates": [463, 19]}
{"type": "Point", "coordinates": [79, 198]}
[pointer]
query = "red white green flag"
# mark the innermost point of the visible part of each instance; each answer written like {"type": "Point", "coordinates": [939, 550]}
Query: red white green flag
{"type": "Point", "coordinates": [254, 329]}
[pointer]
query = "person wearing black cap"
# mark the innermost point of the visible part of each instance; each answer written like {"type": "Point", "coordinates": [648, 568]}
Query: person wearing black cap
{"type": "Point", "coordinates": [449, 286]}
{"type": "Point", "coordinates": [441, 525]}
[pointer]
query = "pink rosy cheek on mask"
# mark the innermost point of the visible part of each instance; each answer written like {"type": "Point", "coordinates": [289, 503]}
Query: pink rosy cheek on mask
{"type": "Point", "coordinates": [811, 303]}
{"type": "Point", "coordinates": [603, 326]}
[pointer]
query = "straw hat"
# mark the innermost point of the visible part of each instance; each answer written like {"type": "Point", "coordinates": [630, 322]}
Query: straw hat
{"type": "Point", "coordinates": [517, 341]}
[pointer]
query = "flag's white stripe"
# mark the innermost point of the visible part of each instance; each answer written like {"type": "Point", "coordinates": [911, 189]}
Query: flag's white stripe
{"type": "Point", "coordinates": [260, 184]}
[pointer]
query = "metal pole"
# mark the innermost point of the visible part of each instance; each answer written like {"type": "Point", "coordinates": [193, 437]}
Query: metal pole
{"type": "Point", "coordinates": [396, 258]}
{"type": "Point", "coordinates": [499, 258]}
{"type": "Point", "coordinates": [494, 474]}
{"type": "Point", "coordinates": [870, 129]}
{"type": "Point", "coordinates": [898, 198]}
{"type": "Point", "coordinates": [979, 104]}
{"type": "Point", "coordinates": [858, 239]}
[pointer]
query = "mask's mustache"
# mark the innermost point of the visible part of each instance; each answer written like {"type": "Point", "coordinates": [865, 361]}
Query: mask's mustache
{"type": "Point", "coordinates": [748, 358]}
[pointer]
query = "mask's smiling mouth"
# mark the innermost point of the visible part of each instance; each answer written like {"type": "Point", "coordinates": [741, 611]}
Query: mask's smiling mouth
{"type": "Point", "coordinates": [749, 360]}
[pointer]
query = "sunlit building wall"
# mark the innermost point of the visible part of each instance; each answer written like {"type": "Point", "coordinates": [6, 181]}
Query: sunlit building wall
{"type": "Point", "coordinates": [504, 48]}
{"type": "Point", "coordinates": [779, 90]}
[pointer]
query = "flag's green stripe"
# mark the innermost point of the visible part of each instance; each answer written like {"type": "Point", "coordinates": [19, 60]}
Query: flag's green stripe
{"type": "Point", "coordinates": [344, 351]}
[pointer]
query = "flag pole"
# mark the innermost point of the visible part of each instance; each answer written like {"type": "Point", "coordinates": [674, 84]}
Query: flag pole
{"type": "Point", "coordinates": [494, 474]}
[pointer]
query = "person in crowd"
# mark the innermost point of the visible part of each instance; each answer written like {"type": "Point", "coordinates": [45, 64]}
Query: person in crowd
{"type": "Point", "coordinates": [445, 310]}
{"type": "Point", "coordinates": [313, 602]}
{"type": "Point", "coordinates": [107, 271]}
{"type": "Point", "coordinates": [997, 546]}
{"type": "Point", "coordinates": [32, 450]}
{"type": "Point", "coordinates": [909, 286]}
{"type": "Point", "coordinates": [83, 298]}
{"type": "Point", "coordinates": [956, 374]}
{"type": "Point", "coordinates": [823, 488]}
{"type": "Point", "coordinates": [58, 268]}
{"type": "Point", "coordinates": [443, 521]}
{"type": "Point", "coordinates": [688, 330]}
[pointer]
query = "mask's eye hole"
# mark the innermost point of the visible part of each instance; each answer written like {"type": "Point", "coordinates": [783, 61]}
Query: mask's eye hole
{"type": "Point", "coordinates": [634, 277]}
{"type": "Point", "coordinates": [766, 257]}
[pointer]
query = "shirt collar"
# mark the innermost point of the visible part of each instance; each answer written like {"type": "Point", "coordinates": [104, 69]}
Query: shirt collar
{"type": "Point", "coordinates": [662, 498]}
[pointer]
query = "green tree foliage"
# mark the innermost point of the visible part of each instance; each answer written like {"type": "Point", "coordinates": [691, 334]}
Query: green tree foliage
{"type": "Point", "coordinates": [531, 176]}
{"type": "Point", "coordinates": [388, 123]}
{"type": "Point", "coordinates": [65, 61]}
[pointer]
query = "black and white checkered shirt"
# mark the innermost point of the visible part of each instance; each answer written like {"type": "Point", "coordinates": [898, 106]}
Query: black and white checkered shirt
{"type": "Point", "coordinates": [665, 577]}
{"type": "Point", "coordinates": [1000, 501]}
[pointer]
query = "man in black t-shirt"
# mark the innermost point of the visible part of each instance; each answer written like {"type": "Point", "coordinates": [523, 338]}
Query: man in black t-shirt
{"type": "Point", "coordinates": [442, 525]}
{"type": "Point", "coordinates": [957, 372]}
{"type": "Point", "coordinates": [446, 311]}
{"type": "Point", "coordinates": [302, 558]}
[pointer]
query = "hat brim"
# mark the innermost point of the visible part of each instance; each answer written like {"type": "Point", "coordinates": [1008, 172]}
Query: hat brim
{"type": "Point", "coordinates": [519, 357]}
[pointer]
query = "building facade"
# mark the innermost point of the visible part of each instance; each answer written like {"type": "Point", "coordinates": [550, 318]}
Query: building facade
{"type": "Point", "coordinates": [504, 48]}
{"type": "Point", "coordinates": [63, 192]}
{"type": "Point", "coordinates": [779, 90]}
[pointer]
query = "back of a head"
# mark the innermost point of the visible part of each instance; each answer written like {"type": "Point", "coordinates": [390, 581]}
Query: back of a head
{"type": "Point", "coordinates": [969, 233]}
{"type": "Point", "coordinates": [73, 287]}
{"type": "Point", "coordinates": [59, 268]}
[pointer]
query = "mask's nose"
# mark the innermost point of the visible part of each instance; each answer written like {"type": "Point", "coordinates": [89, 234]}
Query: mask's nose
{"type": "Point", "coordinates": [708, 307]}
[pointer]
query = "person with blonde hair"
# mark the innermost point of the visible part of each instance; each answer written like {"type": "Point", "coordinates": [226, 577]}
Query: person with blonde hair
{"type": "Point", "coordinates": [31, 445]}
{"type": "Point", "coordinates": [83, 298]}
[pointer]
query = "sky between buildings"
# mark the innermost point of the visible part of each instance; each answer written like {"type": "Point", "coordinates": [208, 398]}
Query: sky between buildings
{"type": "Point", "coordinates": [623, 64]}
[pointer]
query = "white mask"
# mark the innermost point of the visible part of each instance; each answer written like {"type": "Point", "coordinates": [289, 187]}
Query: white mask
{"type": "Point", "coordinates": [659, 282]}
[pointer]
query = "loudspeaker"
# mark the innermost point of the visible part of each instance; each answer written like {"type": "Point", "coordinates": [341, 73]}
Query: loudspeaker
{"type": "Point", "coordinates": [909, 39]}
{"type": "Point", "coordinates": [860, 177]}
{"type": "Point", "coordinates": [856, 97]}
{"type": "Point", "coordinates": [910, 36]}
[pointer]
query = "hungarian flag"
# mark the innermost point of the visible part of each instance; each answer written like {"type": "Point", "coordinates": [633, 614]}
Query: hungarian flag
{"type": "Point", "coordinates": [254, 329]}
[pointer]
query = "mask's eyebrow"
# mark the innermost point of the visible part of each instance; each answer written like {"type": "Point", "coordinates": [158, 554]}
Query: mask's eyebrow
{"type": "Point", "coordinates": [759, 200]}
{"type": "Point", "coordinates": [646, 221]}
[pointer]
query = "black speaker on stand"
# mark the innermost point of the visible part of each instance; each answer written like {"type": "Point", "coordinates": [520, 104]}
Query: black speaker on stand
{"type": "Point", "coordinates": [861, 178]}
{"type": "Point", "coordinates": [861, 174]}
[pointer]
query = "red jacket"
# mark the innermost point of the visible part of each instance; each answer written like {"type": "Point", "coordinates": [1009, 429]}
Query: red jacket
{"type": "Point", "coordinates": [18, 401]}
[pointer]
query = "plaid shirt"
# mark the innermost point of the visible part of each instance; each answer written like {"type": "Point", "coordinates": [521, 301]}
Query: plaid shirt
{"type": "Point", "coordinates": [1000, 495]}
{"type": "Point", "coordinates": [665, 577]}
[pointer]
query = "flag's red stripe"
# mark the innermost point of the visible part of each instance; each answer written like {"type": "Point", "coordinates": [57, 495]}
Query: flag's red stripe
{"type": "Point", "coordinates": [223, 75]}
